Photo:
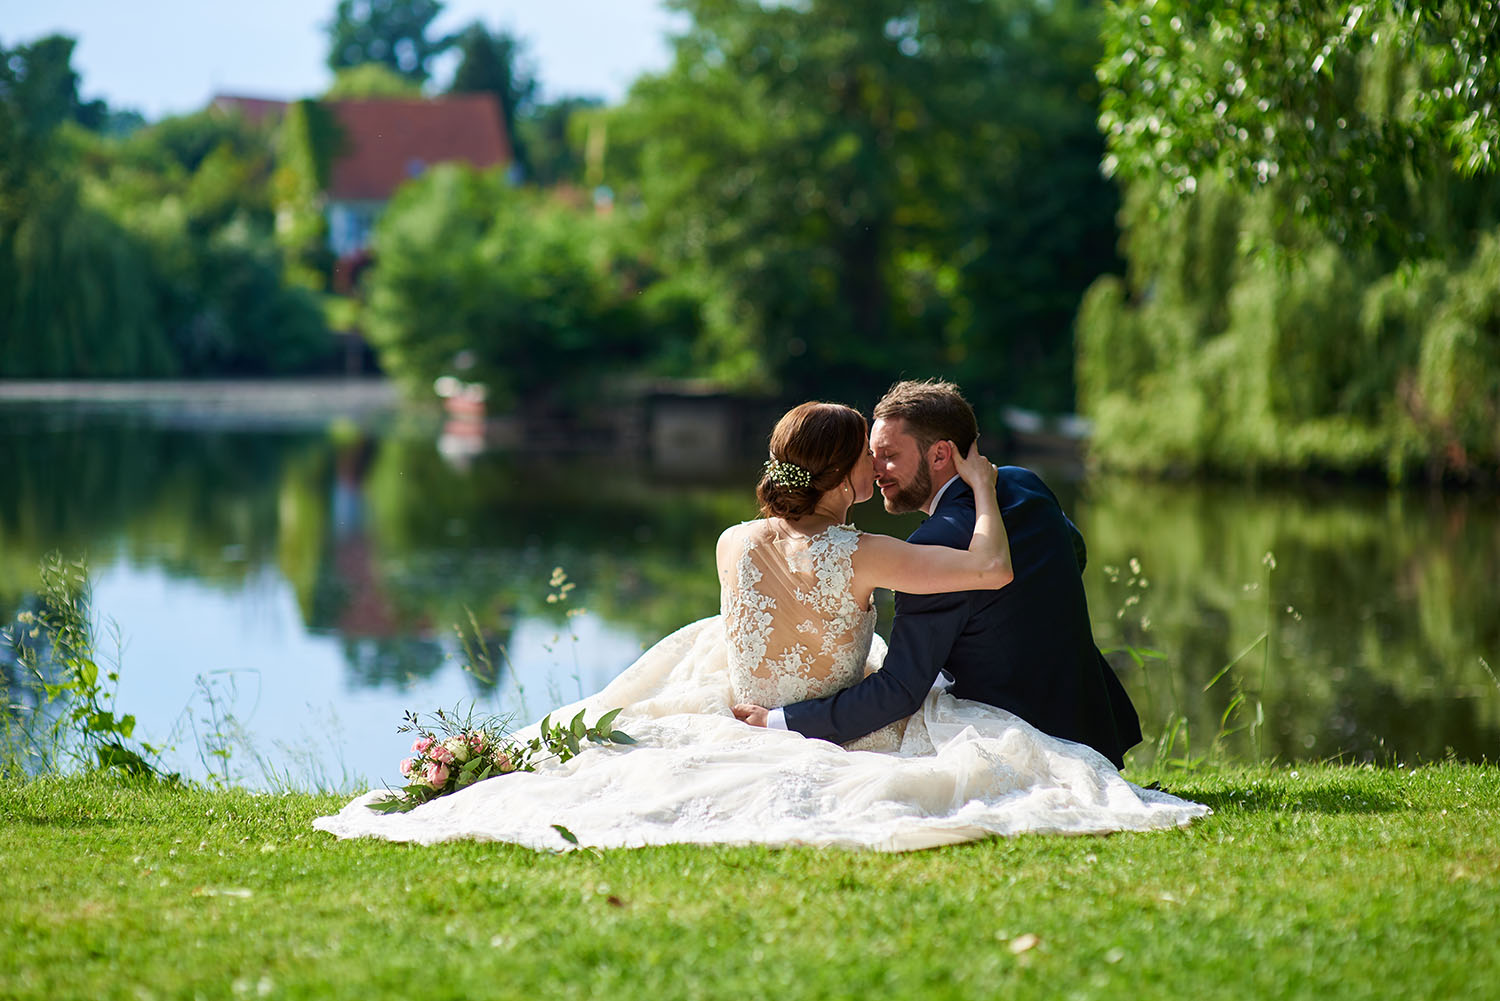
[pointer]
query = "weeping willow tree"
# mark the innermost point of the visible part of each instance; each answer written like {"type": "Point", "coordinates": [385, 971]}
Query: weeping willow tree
{"type": "Point", "coordinates": [149, 256]}
{"type": "Point", "coordinates": [1287, 326]}
{"type": "Point", "coordinates": [74, 294]}
{"type": "Point", "coordinates": [1239, 343]}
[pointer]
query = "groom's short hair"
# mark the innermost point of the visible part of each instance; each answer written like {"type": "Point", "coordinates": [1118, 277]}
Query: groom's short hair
{"type": "Point", "coordinates": [933, 410]}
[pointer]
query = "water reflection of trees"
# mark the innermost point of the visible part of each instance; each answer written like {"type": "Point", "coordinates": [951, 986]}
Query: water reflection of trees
{"type": "Point", "coordinates": [384, 544]}
{"type": "Point", "coordinates": [390, 661]}
{"type": "Point", "coordinates": [196, 503]}
{"type": "Point", "coordinates": [1391, 600]}
{"type": "Point", "coordinates": [486, 539]}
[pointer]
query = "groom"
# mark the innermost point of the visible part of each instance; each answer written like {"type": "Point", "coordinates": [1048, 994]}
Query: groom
{"type": "Point", "coordinates": [1026, 647]}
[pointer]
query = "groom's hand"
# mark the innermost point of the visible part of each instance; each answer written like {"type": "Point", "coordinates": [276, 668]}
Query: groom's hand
{"type": "Point", "coordinates": [752, 714]}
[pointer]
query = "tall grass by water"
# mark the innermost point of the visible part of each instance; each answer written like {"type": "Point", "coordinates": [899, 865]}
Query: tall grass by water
{"type": "Point", "coordinates": [59, 711]}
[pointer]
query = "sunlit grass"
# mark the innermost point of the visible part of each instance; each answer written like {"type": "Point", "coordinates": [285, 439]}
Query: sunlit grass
{"type": "Point", "coordinates": [1319, 881]}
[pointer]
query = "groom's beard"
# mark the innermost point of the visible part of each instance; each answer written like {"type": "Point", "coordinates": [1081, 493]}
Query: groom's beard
{"type": "Point", "coordinates": [913, 496]}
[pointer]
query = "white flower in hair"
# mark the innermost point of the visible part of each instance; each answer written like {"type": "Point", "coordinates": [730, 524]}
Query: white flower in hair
{"type": "Point", "coordinates": [787, 474]}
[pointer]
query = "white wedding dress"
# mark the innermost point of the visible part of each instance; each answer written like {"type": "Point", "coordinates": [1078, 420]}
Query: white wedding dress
{"type": "Point", "coordinates": [789, 630]}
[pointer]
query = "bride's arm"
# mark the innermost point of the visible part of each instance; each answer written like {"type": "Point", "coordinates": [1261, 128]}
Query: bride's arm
{"type": "Point", "coordinates": [882, 561]}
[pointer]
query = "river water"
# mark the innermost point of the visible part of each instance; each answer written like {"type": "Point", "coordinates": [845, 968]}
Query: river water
{"type": "Point", "coordinates": [283, 590]}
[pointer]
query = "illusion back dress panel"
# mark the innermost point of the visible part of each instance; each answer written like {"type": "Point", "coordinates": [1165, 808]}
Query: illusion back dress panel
{"type": "Point", "coordinates": [793, 627]}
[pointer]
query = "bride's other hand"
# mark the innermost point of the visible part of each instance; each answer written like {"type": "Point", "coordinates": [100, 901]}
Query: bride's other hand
{"type": "Point", "coordinates": [975, 470]}
{"type": "Point", "coordinates": [752, 714]}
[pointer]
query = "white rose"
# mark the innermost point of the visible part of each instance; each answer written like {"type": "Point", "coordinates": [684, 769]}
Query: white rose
{"type": "Point", "coordinates": [459, 748]}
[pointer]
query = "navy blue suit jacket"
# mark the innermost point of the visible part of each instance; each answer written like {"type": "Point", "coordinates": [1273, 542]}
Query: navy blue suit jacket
{"type": "Point", "coordinates": [1027, 647]}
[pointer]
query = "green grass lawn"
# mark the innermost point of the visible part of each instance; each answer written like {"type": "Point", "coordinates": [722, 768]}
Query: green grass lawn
{"type": "Point", "coordinates": [1324, 881]}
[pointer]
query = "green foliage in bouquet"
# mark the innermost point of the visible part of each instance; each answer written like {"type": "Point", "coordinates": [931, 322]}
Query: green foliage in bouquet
{"type": "Point", "coordinates": [453, 752]}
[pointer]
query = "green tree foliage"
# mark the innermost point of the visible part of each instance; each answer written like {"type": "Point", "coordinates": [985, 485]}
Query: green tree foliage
{"type": "Point", "coordinates": [394, 33]}
{"type": "Point", "coordinates": [176, 147]}
{"type": "Point", "coordinates": [1341, 101]}
{"type": "Point", "coordinates": [1256, 330]}
{"type": "Point", "coordinates": [553, 135]}
{"type": "Point", "coordinates": [370, 80]}
{"type": "Point", "coordinates": [204, 220]}
{"type": "Point", "coordinates": [527, 291]}
{"type": "Point", "coordinates": [146, 256]}
{"type": "Point", "coordinates": [307, 142]}
{"type": "Point", "coordinates": [1033, 221]}
{"type": "Point", "coordinates": [493, 63]}
{"type": "Point", "coordinates": [1243, 342]}
{"type": "Point", "coordinates": [858, 189]}
{"type": "Point", "coordinates": [38, 92]}
{"type": "Point", "coordinates": [40, 89]}
{"type": "Point", "coordinates": [74, 292]}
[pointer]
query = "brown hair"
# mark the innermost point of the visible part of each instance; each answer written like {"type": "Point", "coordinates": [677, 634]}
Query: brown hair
{"type": "Point", "coordinates": [933, 411]}
{"type": "Point", "coordinates": [826, 439]}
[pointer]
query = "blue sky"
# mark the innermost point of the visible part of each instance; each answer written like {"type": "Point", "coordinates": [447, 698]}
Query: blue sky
{"type": "Point", "coordinates": [170, 56]}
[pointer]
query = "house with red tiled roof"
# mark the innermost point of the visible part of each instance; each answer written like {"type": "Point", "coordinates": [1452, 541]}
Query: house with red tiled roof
{"type": "Point", "coordinates": [385, 142]}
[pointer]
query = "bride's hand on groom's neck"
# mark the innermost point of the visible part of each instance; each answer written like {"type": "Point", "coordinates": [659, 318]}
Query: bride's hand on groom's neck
{"type": "Point", "coordinates": [975, 469]}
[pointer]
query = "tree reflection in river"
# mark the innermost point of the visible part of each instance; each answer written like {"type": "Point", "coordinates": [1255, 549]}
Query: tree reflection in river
{"type": "Point", "coordinates": [1354, 619]}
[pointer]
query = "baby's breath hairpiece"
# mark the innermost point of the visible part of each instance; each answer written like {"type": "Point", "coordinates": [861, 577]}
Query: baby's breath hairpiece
{"type": "Point", "coordinates": [787, 474]}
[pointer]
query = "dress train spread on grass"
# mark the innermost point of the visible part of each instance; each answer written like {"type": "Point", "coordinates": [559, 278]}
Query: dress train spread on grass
{"type": "Point", "coordinates": [964, 770]}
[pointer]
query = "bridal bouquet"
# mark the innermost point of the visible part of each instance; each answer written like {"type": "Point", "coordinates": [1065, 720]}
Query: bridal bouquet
{"type": "Point", "coordinates": [453, 753]}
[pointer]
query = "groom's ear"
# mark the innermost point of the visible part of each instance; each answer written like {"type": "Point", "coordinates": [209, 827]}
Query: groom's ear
{"type": "Point", "coordinates": [938, 451]}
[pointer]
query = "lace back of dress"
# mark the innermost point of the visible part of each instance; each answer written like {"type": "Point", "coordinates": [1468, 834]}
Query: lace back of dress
{"type": "Point", "coordinates": [794, 628]}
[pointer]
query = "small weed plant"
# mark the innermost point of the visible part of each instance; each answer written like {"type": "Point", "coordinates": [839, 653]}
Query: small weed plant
{"type": "Point", "coordinates": [56, 655]}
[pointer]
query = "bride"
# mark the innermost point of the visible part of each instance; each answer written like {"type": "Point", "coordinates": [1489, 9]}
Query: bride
{"type": "Point", "coordinates": [797, 622]}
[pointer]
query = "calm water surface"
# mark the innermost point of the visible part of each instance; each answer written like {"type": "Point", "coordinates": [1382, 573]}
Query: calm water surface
{"type": "Point", "coordinates": [286, 592]}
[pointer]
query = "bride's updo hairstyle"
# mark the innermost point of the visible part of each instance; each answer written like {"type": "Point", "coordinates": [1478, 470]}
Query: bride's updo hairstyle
{"type": "Point", "coordinates": [813, 448]}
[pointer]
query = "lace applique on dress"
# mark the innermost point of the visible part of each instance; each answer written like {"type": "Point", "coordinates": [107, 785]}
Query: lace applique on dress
{"type": "Point", "coordinates": [795, 630]}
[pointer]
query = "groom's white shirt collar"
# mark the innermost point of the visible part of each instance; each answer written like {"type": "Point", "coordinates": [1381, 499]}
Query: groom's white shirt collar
{"type": "Point", "coordinates": [937, 498]}
{"type": "Point", "coordinates": [776, 718]}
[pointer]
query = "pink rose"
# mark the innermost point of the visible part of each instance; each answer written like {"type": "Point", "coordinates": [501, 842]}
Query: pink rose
{"type": "Point", "coordinates": [421, 745]}
{"type": "Point", "coordinates": [441, 754]}
{"type": "Point", "coordinates": [406, 768]}
{"type": "Point", "coordinates": [503, 764]}
{"type": "Point", "coordinates": [437, 775]}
